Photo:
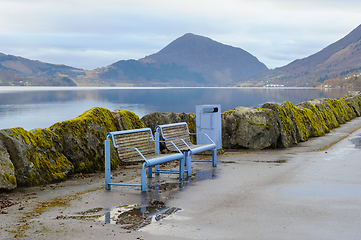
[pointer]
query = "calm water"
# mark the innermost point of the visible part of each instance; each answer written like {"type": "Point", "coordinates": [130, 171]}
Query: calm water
{"type": "Point", "coordinates": [40, 107]}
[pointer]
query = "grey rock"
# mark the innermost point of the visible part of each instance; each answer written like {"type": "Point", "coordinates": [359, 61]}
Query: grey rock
{"type": "Point", "coordinates": [253, 128]}
{"type": "Point", "coordinates": [7, 170]}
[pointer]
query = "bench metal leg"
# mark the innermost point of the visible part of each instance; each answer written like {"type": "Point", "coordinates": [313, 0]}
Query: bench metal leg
{"type": "Point", "coordinates": [157, 149]}
{"type": "Point", "coordinates": [181, 168]}
{"type": "Point", "coordinates": [143, 179]}
{"type": "Point", "coordinates": [149, 175]}
{"type": "Point", "coordinates": [107, 164]}
{"type": "Point", "coordinates": [214, 157]}
{"type": "Point", "coordinates": [188, 162]}
{"type": "Point", "coordinates": [156, 169]}
{"type": "Point", "coordinates": [156, 144]}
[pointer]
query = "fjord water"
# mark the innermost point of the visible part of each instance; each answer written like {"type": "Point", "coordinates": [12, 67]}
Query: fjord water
{"type": "Point", "coordinates": [40, 107]}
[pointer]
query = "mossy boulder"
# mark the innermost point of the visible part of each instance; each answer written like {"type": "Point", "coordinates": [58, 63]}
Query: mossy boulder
{"type": "Point", "coordinates": [337, 107]}
{"type": "Point", "coordinates": [35, 158]}
{"type": "Point", "coordinates": [7, 170]}
{"type": "Point", "coordinates": [255, 128]}
{"type": "Point", "coordinates": [156, 118]}
{"type": "Point", "coordinates": [314, 119]}
{"type": "Point", "coordinates": [81, 139]}
{"type": "Point", "coordinates": [125, 120]}
{"type": "Point", "coordinates": [286, 127]}
{"type": "Point", "coordinates": [354, 102]}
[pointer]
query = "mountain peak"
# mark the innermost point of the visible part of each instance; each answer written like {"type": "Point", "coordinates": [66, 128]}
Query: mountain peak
{"type": "Point", "coordinates": [219, 63]}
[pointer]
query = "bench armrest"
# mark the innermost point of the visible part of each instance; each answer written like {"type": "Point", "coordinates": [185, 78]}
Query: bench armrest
{"type": "Point", "coordinates": [179, 139]}
{"type": "Point", "coordinates": [171, 143]}
{"type": "Point", "coordinates": [205, 135]}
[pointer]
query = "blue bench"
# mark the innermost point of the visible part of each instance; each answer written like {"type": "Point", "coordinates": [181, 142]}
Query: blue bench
{"type": "Point", "coordinates": [179, 134]}
{"type": "Point", "coordinates": [139, 145]}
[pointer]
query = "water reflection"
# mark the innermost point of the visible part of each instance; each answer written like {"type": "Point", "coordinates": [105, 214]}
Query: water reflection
{"type": "Point", "coordinates": [41, 107]}
{"type": "Point", "coordinates": [151, 208]}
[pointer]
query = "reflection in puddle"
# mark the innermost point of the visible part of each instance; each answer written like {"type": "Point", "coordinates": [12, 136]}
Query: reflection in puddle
{"type": "Point", "coordinates": [210, 174]}
{"type": "Point", "coordinates": [151, 209]}
{"type": "Point", "coordinates": [198, 176]}
{"type": "Point", "coordinates": [134, 217]}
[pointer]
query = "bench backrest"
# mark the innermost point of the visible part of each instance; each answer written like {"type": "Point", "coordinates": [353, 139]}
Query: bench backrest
{"type": "Point", "coordinates": [174, 132]}
{"type": "Point", "coordinates": [142, 139]}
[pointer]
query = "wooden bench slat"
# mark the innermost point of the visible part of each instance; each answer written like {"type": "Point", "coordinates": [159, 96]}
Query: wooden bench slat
{"type": "Point", "coordinates": [141, 140]}
{"type": "Point", "coordinates": [178, 132]}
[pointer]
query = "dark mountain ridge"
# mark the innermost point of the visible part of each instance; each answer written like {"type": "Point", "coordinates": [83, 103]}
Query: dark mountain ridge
{"type": "Point", "coordinates": [331, 62]}
{"type": "Point", "coordinates": [190, 60]}
{"type": "Point", "coordinates": [21, 71]}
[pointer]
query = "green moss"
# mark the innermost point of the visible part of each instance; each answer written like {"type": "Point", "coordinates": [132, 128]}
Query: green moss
{"type": "Point", "coordinates": [43, 158]}
{"type": "Point", "coordinates": [81, 166]}
{"type": "Point", "coordinates": [9, 178]}
{"type": "Point", "coordinates": [267, 126]}
{"type": "Point", "coordinates": [43, 138]}
{"type": "Point", "coordinates": [32, 180]}
{"type": "Point", "coordinates": [229, 112]}
{"type": "Point", "coordinates": [329, 117]}
{"type": "Point", "coordinates": [80, 127]}
{"type": "Point", "coordinates": [338, 110]}
{"type": "Point", "coordinates": [76, 149]}
{"type": "Point", "coordinates": [131, 120]}
{"type": "Point", "coordinates": [26, 135]}
{"type": "Point", "coordinates": [347, 109]}
{"type": "Point", "coordinates": [310, 119]}
{"type": "Point", "coordinates": [12, 179]}
{"type": "Point", "coordinates": [268, 111]}
{"type": "Point", "coordinates": [51, 166]}
{"type": "Point", "coordinates": [11, 166]}
{"type": "Point", "coordinates": [286, 122]}
{"type": "Point", "coordinates": [321, 118]}
{"type": "Point", "coordinates": [299, 119]}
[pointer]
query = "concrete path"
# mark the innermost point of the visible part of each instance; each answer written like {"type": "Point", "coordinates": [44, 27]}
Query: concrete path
{"type": "Point", "coordinates": [312, 191]}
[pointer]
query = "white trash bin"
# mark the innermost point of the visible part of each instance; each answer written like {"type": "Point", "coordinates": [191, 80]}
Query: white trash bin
{"type": "Point", "coordinates": [208, 120]}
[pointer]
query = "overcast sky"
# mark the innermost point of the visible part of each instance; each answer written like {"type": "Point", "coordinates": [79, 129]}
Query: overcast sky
{"type": "Point", "coordinates": [96, 33]}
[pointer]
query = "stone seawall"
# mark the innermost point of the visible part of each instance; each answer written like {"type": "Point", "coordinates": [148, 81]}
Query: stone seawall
{"type": "Point", "coordinates": [42, 156]}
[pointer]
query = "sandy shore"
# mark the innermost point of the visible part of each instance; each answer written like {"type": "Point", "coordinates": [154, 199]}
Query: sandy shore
{"type": "Point", "coordinates": [311, 191]}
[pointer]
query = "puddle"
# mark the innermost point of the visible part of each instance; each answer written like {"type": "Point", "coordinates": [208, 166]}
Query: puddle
{"type": "Point", "coordinates": [277, 162]}
{"type": "Point", "coordinates": [167, 186]}
{"type": "Point", "coordinates": [204, 175]}
{"type": "Point", "coordinates": [357, 142]}
{"type": "Point", "coordinates": [225, 162]}
{"type": "Point", "coordinates": [151, 209]}
{"type": "Point", "coordinates": [135, 217]}
{"type": "Point", "coordinates": [198, 176]}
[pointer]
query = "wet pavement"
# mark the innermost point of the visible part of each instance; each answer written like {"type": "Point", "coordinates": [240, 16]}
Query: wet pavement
{"type": "Point", "coordinates": [312, 191]}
